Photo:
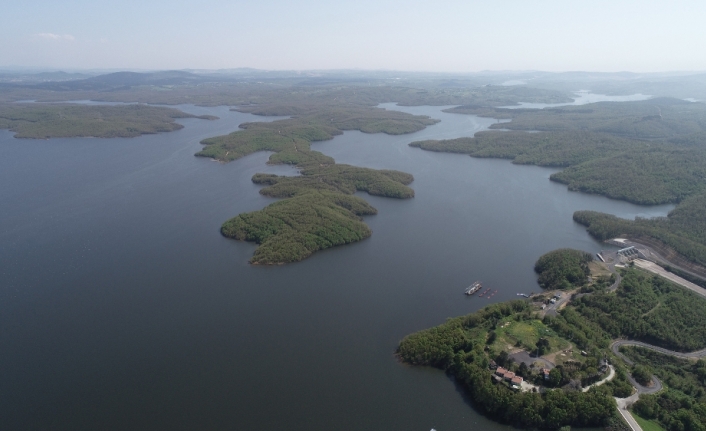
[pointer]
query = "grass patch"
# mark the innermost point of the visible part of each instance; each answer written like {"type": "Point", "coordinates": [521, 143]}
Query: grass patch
{"type": "Point", "coordinates": [526, 334]}
{"type": "Point", "coordinates": [646, 424]}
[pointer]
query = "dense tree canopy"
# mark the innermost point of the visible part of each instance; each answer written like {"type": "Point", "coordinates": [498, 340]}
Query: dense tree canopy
{"type": "Point", "coordinates": [67, 120]}
{"type": "Point", "coordinates": [563, 269]}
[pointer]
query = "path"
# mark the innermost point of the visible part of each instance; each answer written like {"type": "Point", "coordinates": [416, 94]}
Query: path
{"type": "Point", "coordinates": [607, 379]}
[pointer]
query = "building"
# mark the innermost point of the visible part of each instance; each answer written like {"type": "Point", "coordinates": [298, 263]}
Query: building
{"type": "Point", "coordinates": [500, 371]}
{"type": "Point", "coordinates": [517, 380]}
{"type": "Point", "coordinates": [509, 376]}
{"type": "Point", "coordinates": [545, 373]}
{"type": "Point", "coordinates": [627, 254]}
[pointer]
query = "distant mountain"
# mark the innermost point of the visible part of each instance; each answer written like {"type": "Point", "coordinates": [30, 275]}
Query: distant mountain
{"type": "Point", "coordinates": [33, 78]}
{"type": "Point", "coordinates": [123, 80]}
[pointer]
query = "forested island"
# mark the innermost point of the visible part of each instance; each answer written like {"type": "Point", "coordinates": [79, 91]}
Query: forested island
{"type": "Point", "coordinates": [43, 121]}
{"type": "Point", "coordinates": [317, 210]}
{"type": "Point", "coordinates": [568, 372]}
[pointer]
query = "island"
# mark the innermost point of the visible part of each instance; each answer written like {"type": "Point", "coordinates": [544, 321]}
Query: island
{"type": "Point", "coordinates": [533, 364]}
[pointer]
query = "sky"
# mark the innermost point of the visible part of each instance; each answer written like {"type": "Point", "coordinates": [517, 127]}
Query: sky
{"type": "Point", "coordinates": [435, 36]}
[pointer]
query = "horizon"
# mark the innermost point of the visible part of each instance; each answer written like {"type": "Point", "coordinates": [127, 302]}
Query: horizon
{"type": "Point", "coordinates": [454, 37]}
{"type": "Point", "coordinates": [26, 69]}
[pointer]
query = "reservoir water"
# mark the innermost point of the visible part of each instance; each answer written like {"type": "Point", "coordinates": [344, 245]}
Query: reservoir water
{"type": "Point", "coordinates": [123, 308]}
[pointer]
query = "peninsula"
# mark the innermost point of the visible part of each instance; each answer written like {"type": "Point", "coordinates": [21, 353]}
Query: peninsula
{"type": "Point", "coordinates": [64, 120]}
{"type": "Point", "coordinates": [524, 364]}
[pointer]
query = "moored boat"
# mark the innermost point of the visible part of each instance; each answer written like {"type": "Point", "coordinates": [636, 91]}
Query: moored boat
{"type": "Point", "coordinates": [473, 288]}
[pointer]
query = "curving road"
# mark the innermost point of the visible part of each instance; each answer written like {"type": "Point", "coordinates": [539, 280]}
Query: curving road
{"type": "Point", "coordinates": [688, 355]}
{"type": "Point", "coordinates": [618, 278]}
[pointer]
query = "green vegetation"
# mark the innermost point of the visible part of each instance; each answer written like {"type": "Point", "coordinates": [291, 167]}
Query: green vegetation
{"type": "Point", "coordinates": [292, 95]}
{"type": "Point", "coordinates": [646, 424]}
{"type": "Point", "coordinates": [650, 309]}
{"type": "Point", "coordinates": [290, 139]}
{"type": "Point", "coordinates": [683, 405]}
{"type": "Point", "coordinates": [635, 171]}
{"type": "Point", "coordinates": [563, 269]}
{"type": "Point", "coordinates": [684, 230]}
{"type": "Point", "coordinates": [644, 307]}
{"type": "Point", "coordinates": [459, 347]}
{"type": "Point", "coordinates": [647, 152]}
{"type": "Point", "coordinates": [660, 118]}
{"type": "Point", "coordinates": [341, 179]}
{"type": "Point", "coordinates": [318, 210]}
{"type": "Point", "coordinates": [66, 120]}
{"type": "Point", "coordinates": [293, 229]}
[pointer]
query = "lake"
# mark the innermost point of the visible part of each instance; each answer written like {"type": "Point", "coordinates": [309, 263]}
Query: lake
{"type": "Point", "coordinates": [122, 307]}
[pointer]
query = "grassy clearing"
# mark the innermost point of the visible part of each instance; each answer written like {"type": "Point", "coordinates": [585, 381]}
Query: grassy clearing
{"type": "Point", "coordinates": [526, 334]}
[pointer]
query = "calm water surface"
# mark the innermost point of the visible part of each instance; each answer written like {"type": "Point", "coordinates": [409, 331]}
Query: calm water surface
{"type": "Point", "coordinates": [584, 97]}
{"type": "Point", "coordinates": [122, 307]}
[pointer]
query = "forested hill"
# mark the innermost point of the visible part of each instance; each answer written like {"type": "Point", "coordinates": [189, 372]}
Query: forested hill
{"type": "Point", "coordinates": [659, 118]}
{"type": "Point", "coordinates": [43, 121]}
{"type": "Point", "coordinates": [647, 152]}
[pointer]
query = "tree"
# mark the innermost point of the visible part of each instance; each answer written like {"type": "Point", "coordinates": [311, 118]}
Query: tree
{"type": "Point", "coordinates": [555, 377]}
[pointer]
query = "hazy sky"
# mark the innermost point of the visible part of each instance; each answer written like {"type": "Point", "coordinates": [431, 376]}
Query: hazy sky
{"type": "Point", "coordinates": [455, 36]}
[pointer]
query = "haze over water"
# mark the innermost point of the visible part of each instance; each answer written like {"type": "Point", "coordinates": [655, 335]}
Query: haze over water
{"type": "Point", "coordinates": [122, 307]}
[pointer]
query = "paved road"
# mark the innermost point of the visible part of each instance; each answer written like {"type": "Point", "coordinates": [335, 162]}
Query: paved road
{"type": "Point", "coordinates": [552, 309]}
{"type": "Point", "coordinates": [618, 278]}
{"type": "Point", "coordinates": [623, 404]}
{"type": "Point", "coordinates": [688, 355]}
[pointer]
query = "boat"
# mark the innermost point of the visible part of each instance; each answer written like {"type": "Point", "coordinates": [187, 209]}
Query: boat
{"type": "Point", "coordinates": [473, 288]}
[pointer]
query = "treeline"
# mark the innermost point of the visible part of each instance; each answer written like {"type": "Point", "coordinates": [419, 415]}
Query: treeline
{"type": "Point", "coordinates": [641, 172]}
{"type": "Point", "coordinates": [456, 348]}
{"type": "Point", "coordinates": [650, 309]}
{"type": "Point", "coordinates": [684, 229]}
{"type": "Point", "coordinates": [339, 178]}
{"type": "Point", "coordinates": [290, 139]}
{"type": "Point", "coordinates": [647, 152]}
{"type": "Point", "coordinates": [683, 405]}
{"type": "Point", "coordinates": [42, 121]}
{"type": "Point", "coordinates": [266, 97]}
{"type": "Point", "coordinates": [659, 118]}
{"type": "Point", "coordinates": [563, 269]}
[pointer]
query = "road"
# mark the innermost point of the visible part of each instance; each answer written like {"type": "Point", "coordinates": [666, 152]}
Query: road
{"type": "Point", "coordinates": [623, 404]}
{"type": "Point", "coordinates": [552, 309]}
{"type": "Point", "coordinates": [688, 355]}
{"type": "Point", "coordinates": [607, 379]}
{"type": "Point", "coordinates": [618, 278]}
